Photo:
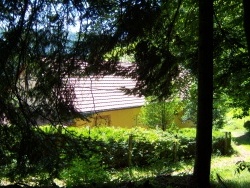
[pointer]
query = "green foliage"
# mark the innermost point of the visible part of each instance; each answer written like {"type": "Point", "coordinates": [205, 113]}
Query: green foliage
{"type": "Point", "coordinates": [37, 53]}
{"type": "Point", "coordinates": [87, 172]}
{"type": "Point", "coordinates": [160, 113]}
{"type": "Point", "coordinates": [247, 125]}
{"type": "Point", "coordinates": [190, 108]}
{"type": "Point", "coordinates": [219, 110]}
{"type": "Point", "coordinates": [84, 156]}
{"type": "Point", "coordinates": [148, 146]}
{"type": "Point", "coordinates": [41, 161]}
{"type": "Point", "coordinates": [241, 166]}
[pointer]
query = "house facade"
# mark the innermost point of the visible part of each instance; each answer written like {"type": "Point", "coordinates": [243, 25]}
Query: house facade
{"type": "Point", "coordinates": [104, 102]}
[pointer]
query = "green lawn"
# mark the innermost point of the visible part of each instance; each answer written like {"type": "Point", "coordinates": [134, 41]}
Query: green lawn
{"type": "Point", "coordinates": [225, 167]}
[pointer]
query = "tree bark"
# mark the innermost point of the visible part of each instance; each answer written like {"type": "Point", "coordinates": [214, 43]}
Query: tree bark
{"type": "Point", "coordinates": [246, 6]}
{"type": "Point", "coordinates": [205, 96]}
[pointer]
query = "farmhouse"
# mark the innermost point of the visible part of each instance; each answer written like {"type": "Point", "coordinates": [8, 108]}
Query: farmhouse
{"type": "Point", "coordinates": [102, 99]}
{"type": "Point", "coordinates": [104, 102]}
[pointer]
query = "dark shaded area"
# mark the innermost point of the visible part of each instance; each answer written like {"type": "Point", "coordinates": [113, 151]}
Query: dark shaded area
{"type": "Point", "coordinates": [243, 139]}
{"type": "Point", "coordinates": [154, 182]}
{"type": "Point", "coordinates": [163, 180]}
{"type": "Point", "coordinates": [246, 7]}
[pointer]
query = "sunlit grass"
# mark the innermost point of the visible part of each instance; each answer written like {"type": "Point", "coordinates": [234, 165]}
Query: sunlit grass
{"type": "Point", "coordinates": [135, 173]}
{"type": "Point", "coordinates": [234, 124]}
{"type": "Point", "coordinates": [225, 167]}
{"type": "Point", "coordinates": [131, 174]}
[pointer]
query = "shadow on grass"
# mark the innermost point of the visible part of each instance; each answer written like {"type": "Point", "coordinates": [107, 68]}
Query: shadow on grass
{"type": "Point", "coordinates": [243, 139]}
{"type": "Point", "coordinates": [237, 185]}
{"type": "Point", "coordinates": [152, 182]}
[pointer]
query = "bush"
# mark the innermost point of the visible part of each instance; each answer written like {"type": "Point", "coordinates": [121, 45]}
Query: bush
{"type": "Point", "coordinates": [85, 172]}
{"type": "Point", "coordinates": [83, 157]}
{"type": "Point", "coordinates": [247, 125]}
{"type": "Point", "coordinates": [241, 166]}
{"type": "Point", "coordinates": [148, 145]}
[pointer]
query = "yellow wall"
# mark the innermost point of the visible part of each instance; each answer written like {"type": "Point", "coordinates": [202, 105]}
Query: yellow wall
{"type": "Point", "coordinates": [126, 118]}
{"type": "Point", "coordinates": [183, 124]}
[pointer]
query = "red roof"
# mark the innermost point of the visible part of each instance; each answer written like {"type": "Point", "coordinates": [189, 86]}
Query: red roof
{"type": "Point", "coordinates": [95, 94]}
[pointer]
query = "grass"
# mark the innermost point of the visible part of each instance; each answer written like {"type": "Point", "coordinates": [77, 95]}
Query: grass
{"type": "Point", "coordinates": [225, 167]}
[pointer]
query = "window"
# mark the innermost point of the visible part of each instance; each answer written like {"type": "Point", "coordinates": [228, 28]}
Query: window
{"type": "Point", "coordinates": [102, 120]}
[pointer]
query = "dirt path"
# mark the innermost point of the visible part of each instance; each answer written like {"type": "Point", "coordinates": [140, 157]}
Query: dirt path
{"type": "Point", "coordinates": [242, 144]}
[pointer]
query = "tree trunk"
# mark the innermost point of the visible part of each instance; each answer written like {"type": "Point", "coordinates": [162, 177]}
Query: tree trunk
{"type": "Point", "coordinates": [246, 6]}
{"type": "Point", "coordinates": [205, 96]}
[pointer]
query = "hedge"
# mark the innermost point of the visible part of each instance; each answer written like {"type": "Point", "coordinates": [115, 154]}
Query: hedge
{"type": "Point", "coordinates": [147, 146]}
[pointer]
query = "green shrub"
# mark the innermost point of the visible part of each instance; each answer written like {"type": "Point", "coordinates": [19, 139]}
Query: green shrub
{"type": "Point", "coordinates": [241, 166]}
{"type": "Point", "coordinates": [85, 172]}
{"type": "Point", "coordinates": [247, 125]}
{"type": "Point", "coordinates": [148, 146]}
{"type": "Point", "coordinates": [83, 156]}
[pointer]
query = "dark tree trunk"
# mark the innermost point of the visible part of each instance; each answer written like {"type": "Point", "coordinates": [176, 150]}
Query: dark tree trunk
{"type": "Point", "coordinates": [205, 96]}
{"type": "Point", "coordinates": [246, 5]}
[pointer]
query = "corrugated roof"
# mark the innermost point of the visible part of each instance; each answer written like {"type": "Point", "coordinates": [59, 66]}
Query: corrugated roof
{"type": "Point", "coordinates": [95, 94]}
